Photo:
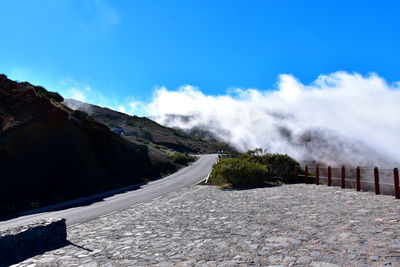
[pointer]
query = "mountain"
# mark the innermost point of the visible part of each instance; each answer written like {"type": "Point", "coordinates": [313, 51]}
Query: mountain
{"type": "Point", "coordinates": [50, 153]}
{"type": "Point", "coordinates": [142, 130]}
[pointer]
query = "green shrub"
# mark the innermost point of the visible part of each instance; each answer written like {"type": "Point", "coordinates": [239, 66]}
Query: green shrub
{"type": "Point", "coordinates": [130, 122]}
{"type": "Point", "coordinates": [160, 147]}
{"type": "Point", "coordinates": [180, 134]}
{"type": "Point", "coordinates": [194, 138]}
{"type": "Point", "coordinates": [146, 134]}
{"type": "Point", "coordinates": [51, 95]}
{"type": "Point", "coordinates": [281, 167]}
{"type": "Point", "coordinates": [79, 114]}
{"type": "Point", "coordinates": [239, 173]}
{"type": "Point", "coordinates": [180, 158]}
{"type": "Point", "coordinates": [278, 168]}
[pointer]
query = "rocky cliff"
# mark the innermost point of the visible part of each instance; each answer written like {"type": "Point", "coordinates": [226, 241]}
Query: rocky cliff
{"type": "Point", "coordinates": [50, 154]}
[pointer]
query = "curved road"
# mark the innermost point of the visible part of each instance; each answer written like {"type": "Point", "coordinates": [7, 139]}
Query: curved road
{"type": "Point", "coordinates": [190, 175]}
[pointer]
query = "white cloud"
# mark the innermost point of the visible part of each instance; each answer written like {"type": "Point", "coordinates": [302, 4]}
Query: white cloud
{"type": "Point", "coordinates": [359, 110]}
{"type": "Point", "coordinates": [134, 105]}
{"type": "Point", "coordinates": [76, 94]}
{"type": "Point", "coordinates": [137, 108]}
{"type": "Point", "coordinates": [121, 108]}
{"type": "Point", "coordinates": [71, 88]}
{"type": "Point", "coordinates": [355, 108]}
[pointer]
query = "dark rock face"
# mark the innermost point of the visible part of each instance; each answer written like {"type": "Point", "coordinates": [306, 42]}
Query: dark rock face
{"type": "Point", "coordinates": [49, 154]}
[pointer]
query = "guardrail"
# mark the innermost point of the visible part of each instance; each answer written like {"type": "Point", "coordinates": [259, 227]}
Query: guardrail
{"type": "Point", "coordinates": [382, 181]}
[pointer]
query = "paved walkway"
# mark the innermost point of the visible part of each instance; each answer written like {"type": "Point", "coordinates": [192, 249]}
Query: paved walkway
{"type": "Point", "coordinates": [291, 225]}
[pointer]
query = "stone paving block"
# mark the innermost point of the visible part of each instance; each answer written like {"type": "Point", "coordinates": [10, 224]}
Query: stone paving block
{"type": "Point", "coordinates": [289, 225]}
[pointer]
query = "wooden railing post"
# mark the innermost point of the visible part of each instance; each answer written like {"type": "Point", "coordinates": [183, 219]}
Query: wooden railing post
{"type": "Point", "coordinates": [343, 177]}
{"type": "Point", "coordinates": [306, 175]}
{"type": "Point", "coordinates": [297, 174]}
{"type": "Point", "coordinates": [329, 176]}
{"type": "Point", "coordinates": [358, 179]}
{"type": "Point", "coordinates": [376, 178]}
{"type": "Point", "coordinates": [317, 175]}
{"type": "Point", "coordinates": [396, 183]}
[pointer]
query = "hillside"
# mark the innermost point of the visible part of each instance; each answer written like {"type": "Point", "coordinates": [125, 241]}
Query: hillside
{"type": "Point", "coordinates": [141, 130]}
{"type": "Point", "coordinates": [50, 153]}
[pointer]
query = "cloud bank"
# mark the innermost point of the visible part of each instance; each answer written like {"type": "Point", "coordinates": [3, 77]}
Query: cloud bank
{"type": "Point", "coordinates": [340, 118]}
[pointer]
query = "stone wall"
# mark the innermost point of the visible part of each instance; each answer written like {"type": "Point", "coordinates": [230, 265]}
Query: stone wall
{"type": "Point", "coordinates": [25, 241]}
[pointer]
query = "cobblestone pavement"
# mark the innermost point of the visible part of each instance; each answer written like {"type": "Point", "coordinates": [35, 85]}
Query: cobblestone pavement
{"type": "Point", "coordinates": [290, 225]}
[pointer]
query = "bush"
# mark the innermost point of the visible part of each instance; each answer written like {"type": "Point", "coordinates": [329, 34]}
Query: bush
{"type": "Point", "coordinates": [281, 167]}
{"type": "Point", "coordinates": [51, 95]}
{"type": "Point", "coordinates": [180, 134]}
{"type": "Point", "coordinates": [240, 173]}
{"type": "Point", "coordinates": [180, 158]}
{"type": "Point", "coordinates": [130, 122]}
{"type": "Point", "coordinates": [278, 168]}
{"type": "Point", "coordinates": [160, 147]}
{"type": "Point", "coordinates": [79, 114]}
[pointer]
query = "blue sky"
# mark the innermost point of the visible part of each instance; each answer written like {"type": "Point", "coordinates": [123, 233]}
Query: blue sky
{"type": "Point", "coordinates": [117, 52]}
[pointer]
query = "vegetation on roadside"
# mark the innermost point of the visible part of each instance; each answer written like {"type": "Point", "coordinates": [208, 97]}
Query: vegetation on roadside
{"type": "Point", "coordinates": [239, 173]}
{"type": "Point", "coordinates": [180, 158]}
{"type": "Point", "coordinates": [254, 169]}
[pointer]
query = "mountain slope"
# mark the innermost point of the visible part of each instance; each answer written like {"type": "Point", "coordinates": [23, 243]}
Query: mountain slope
{"type": "Point", "coordinates": [50, 154]}
{"type": "Point", "coordinates": [142, 130]}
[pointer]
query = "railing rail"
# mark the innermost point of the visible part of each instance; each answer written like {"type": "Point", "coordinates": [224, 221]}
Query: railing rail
{"type": "Point", "coordinates": [385, 181]}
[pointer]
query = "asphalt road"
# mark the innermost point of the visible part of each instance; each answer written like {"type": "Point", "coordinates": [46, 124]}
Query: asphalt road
{"type": "Point", "coordinates": [190, 175]}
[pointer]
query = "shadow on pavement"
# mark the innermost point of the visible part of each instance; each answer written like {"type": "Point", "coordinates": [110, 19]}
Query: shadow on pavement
{"type": "Point", "coordinates": [79, 202]}
{"type": "Point", "coordinates": [34, 252]}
